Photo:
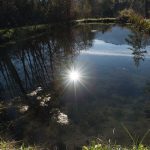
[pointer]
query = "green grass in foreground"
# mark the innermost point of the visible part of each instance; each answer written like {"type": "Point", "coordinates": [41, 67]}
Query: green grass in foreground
{"type": "Point", "coordinates": [94, 146]}
{"type": "Point", "coordinates": [114, 147]}
{"type": "Point", "coordinates": [137, 143]}
{"type": "Point", "coordinates": [97, 144]}
{"type": "Point", "coordinates": [13, 146]}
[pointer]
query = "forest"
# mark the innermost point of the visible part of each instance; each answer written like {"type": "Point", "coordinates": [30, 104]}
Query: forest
{"type": "Point", "coordinates": [14, 13]}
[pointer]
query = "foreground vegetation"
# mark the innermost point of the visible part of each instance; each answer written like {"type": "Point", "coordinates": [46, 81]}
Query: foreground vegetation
{"type": "Point", "coordinates": [97, 144]}
{"type": "Point", "coordinates": [137, 144]}
{"type": "Point", "coordinates": [93, 146]}
{"type": "Point", "coordinates": [113, 147]}
{"type": "Point", "coordinates": [13, 146]}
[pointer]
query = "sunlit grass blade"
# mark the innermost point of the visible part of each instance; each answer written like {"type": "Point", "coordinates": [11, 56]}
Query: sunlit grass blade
{"type": "Point", "coordinates": [129, 134]}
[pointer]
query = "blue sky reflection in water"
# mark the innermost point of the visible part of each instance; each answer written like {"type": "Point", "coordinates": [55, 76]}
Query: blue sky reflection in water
{"type": "Point", "coordinates": [75, 84]}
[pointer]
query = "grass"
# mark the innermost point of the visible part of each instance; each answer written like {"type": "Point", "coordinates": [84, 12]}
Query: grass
{"type": "Point", "coordinates": [7, 145]}
{"type": "Point", "coordinates": [137, 144]}
{"type": "Point", "coordinates": [95, 146]}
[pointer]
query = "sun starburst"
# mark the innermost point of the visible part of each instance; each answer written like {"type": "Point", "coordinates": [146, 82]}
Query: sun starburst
{"type": "Point", "coordinates": [74, 76]}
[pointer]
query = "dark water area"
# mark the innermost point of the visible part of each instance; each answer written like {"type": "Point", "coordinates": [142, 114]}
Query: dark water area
{"type": "Point", "coordinates": [40, 104]}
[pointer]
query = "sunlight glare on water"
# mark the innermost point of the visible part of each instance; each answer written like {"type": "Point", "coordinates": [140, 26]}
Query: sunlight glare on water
{"type": "Point", "coordinates": [74, 75]}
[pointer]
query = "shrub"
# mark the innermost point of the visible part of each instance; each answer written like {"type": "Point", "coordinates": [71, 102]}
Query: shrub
{"type": "Point", "coordinates": [125, 15]}
{"type": "Point", "coordinates": [130, 16]}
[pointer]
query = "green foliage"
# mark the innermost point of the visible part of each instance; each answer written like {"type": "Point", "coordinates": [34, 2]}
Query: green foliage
{"type": "Point", "coordinates": [112, 147]}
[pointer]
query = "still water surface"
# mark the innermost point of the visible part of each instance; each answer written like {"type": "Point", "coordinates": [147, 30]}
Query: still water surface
{"type": "Point", "coordinates": [40, 105]}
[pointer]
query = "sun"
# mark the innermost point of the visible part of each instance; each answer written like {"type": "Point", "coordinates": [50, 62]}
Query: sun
{"type": "Point", "coordinates": [74, 76]}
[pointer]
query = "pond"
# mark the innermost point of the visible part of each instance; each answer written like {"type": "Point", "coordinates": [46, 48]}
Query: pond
{"type": "Point", "coordinates": [73, 84]}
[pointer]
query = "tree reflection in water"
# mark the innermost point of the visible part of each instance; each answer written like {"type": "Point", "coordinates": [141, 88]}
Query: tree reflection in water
{"type": "Point", "coordinates": [138, 42]}
{"type": "Point", "coordinates": [30, 73]}
{"type": "Point", "coordinates": [31, 90]}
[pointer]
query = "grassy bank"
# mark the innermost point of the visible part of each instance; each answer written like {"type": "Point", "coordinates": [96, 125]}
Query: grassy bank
{"type": "Point", "coordinates": [20, 33]}
{"type": "Point", "coordinates": [11, 36]}
{"type": "Point", "coordinates": [126, 16]}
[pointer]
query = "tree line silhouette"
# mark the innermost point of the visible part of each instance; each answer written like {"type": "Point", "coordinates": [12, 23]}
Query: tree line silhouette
{"type": "Point", "coordinates": [28, 12]}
